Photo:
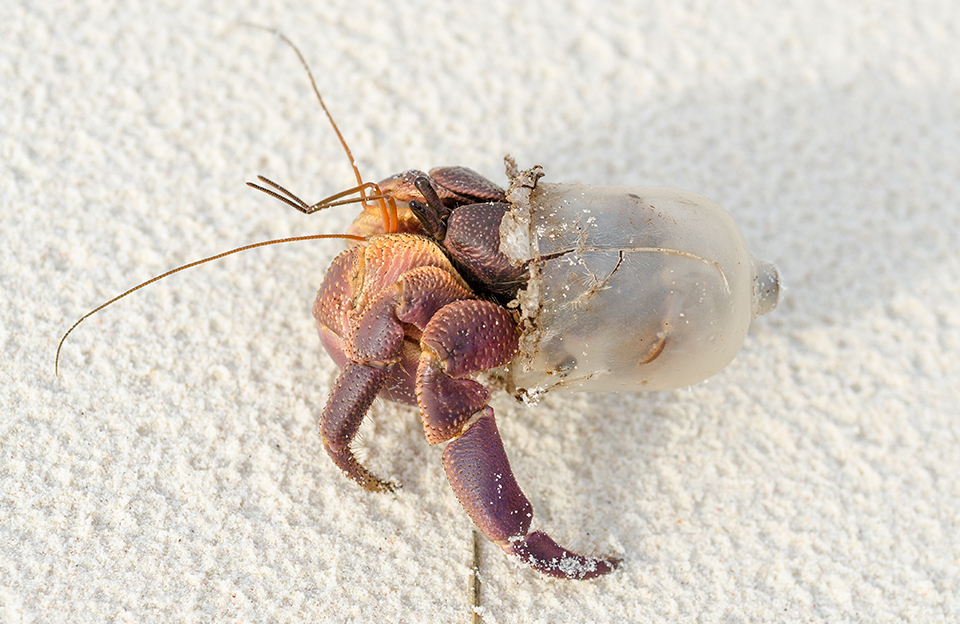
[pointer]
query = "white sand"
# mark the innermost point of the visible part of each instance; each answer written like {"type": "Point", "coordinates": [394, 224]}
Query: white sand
{"type": "Point", "coordinates": [173, 471]}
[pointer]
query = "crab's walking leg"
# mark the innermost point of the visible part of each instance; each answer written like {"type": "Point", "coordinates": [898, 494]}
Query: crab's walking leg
{"type": "Point", "coordinates": [480, 474]}
{"type": "Point", "coordinates": [353, 393]}
{"type": "Point", "coordinates": [463, 338]}
{"type": "Point", "coordinates": [373, 353]}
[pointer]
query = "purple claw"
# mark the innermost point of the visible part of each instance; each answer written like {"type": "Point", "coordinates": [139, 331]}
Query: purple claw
{"type": "Point", "coordinates": [540, 552]}
{"type": "Point", "coordinates": [480, 474]}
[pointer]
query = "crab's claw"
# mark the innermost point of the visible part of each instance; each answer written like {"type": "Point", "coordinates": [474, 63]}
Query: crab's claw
{"type": "Point", "coordinates": [480, 474]}
{"type": "Point", "coordinates": [461, 339]}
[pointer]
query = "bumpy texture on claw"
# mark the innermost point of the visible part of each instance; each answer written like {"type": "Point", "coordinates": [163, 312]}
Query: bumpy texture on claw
{"type": "Point", "coordinates": [373, 296]}
{"type": "Point", "coordinates": [480, 474]}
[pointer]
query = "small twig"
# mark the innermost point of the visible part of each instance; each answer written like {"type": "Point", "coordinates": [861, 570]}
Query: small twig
{"type": "Point", "coordinates": [475, 579]}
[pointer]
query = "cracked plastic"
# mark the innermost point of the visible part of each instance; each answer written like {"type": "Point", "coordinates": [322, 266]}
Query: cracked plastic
{"type": "Point", "coordinates": [631, 288]}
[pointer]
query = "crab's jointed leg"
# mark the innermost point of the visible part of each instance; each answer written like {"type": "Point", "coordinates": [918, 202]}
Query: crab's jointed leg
{"type": "Point", "coordinates": [373, 356]}
{"type": "Point", "coordinates": [351, 397]}
{"type": "Point", "coordinates": [464, 338]}
{"type": "Point", "coordinates": [478, 469]}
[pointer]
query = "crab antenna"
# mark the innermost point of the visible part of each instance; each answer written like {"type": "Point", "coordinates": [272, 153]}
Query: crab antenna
{"type": "Point", "coordinates": [388, 207]}
{"type": "Point", "coordinates": [329, 202]}
{"type": "Point", "coordinates": [316, 91]}
{"type": "Point", "coordinates": [387, 204]}
{"type": "Point", "coordinates": [187, 266]}
{"type": "Point", "coordinates": [290, 199]}
{"type": "Point", "coordinates": [284, 195]}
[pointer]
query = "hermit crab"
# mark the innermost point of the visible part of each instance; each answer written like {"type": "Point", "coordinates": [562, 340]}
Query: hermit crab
{"type": "Point", "coordinates": [453, 286]}
{"type": "Point", "coordinates": [540, 287]}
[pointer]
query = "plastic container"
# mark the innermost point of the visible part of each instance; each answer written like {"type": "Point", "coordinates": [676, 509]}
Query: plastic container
{"type": "Point", "coordinates": [631, 288]}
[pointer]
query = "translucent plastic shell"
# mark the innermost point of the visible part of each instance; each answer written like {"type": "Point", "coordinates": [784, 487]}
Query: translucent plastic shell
{"type": "Point", "coordinates": [631, 288]}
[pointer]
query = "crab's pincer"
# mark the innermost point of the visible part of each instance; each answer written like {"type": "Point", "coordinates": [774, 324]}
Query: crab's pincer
{"type": "Point", "coordinates": [478, 470]}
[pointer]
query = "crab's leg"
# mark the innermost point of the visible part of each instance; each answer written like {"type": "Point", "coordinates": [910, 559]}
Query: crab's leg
{"type": "Point", "coordinates": [351, 397]}
{"type": "Point", "coordinates": [373, 353]}
{"type": "Point", "coordinates": [463, 338]}
{"type": "Point", "coordinates": [478, 469]}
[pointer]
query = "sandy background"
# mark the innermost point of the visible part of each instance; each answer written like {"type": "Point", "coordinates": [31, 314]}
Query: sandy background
{"type": "Point", "coordinates": [173, 471]}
